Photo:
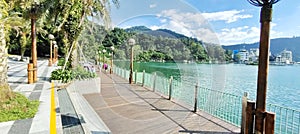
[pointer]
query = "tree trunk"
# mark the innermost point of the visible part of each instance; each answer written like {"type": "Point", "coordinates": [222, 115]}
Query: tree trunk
{"type": "Point", "coordinates": [23, 45]}
{"type": "Point", "coordinates": [74, 58]}
{"type": "Point", "coordinates": [5, 91]}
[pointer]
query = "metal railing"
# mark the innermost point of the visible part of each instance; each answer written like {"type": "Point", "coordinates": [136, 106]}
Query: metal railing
{"type": "Point", "coordinates": [287, 120]}
{"type": "Point", "coordinates": [225, 106]}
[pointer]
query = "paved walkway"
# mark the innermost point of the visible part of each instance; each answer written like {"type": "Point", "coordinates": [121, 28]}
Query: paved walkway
{"type": "Point", "coordinates": [17, 78]}
{"type": "Point", "coordinates": [122, 108]}
{"type": "Point", "coordinates": [133, 109]}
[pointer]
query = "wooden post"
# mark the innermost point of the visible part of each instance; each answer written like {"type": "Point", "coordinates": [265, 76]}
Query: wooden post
{"type": "Point", "coordinates": [154, 81]}
{"type": "Point", "coordinates": [143, 80]}
{"type": "Point", "coordinates": [196, 98]}
{"type": "Point", "coordinates": [135, 77]}
{"type": "Point", "coordinates": [249, 117]}
{"type": "Point", "coordinates": [244, 107]}
{"type": "Point", "coordinates": [269, 123]}
{"type": "Point", "coordinates": [170, 87]}
{"type": "Point", "coordinates": [263, 68]}
{"type": "Point", "coordinates": [30, 73]}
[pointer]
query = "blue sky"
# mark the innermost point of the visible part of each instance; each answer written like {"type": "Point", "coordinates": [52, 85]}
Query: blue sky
{"type": "Point", "coordinates": [225, 22]}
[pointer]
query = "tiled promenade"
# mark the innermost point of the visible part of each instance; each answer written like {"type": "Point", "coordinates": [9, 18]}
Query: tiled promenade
{"type": "Point", "coordinates": [17, 78]}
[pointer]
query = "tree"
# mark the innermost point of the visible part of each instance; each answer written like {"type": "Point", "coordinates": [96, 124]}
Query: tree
{"type": "Point", "coordinates": [71, 20]}
{"type": "Point", "coordinates": [228, 55]}
{"type": "Point", "coordinates": [8, 20]}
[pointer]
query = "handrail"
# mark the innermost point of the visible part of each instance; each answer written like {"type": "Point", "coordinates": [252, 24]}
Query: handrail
{"type": "Point", "coordinates": [221, 104]}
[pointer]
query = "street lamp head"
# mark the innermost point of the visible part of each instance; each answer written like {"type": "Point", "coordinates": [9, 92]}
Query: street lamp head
{"type": "Point", "coordinates": [34, 9]}
{"type": "Point", "coordinates": [131, 41]}
{"type": "Point", "coordinates": [51, 37]}
{"type": "Point", "coordinates": [54, 42]}
{"type": "Point", "coordinates": [262, 2]}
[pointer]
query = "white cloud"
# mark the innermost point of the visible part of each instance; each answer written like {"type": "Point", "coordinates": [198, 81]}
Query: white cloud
{"type": "Point", "coordinates": [239, 35]}
{"type": "Point", "coordinates": [163, 20]}
{"type": "Point", "coordinates": [152, 5]}
{"type": "Point", "coordinates": [196, 25]}
{"type": "Point", "coordinates": [155, 27]}
{"type": "Point", "coordinates": [227, 16]}
{"type": "Point", "coordinates": [243, 34]}
{"type": "Point", "coordinates": [187, 23]}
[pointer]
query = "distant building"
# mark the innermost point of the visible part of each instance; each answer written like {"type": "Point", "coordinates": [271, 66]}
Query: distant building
{"type": "Point", "coordinates": [253, 54]}
{"type": "Point", "coordinates": [244, 55]}
{"type": "Point", "coordinates": [285, 57]}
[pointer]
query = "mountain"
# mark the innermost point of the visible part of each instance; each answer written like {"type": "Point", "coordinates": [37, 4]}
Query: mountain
{"type": "Point", "coordinates": [158, 32]}
{"type": "Point", "coordinates": [276, 46]}
{"type": "Point", "coordinates": [138, 29]}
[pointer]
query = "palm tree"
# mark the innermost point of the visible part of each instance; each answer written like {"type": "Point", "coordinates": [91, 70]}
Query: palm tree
{"type": "Point", "coordinates": [70, 21]}
{"type": "Point", "coordinates": [57, 11]}
{"type": "Point", "coordinates": [8, 20]}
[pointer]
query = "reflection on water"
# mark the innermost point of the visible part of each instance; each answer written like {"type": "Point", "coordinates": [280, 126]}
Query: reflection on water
{"type": "Point", "coordinates": [283, 82]}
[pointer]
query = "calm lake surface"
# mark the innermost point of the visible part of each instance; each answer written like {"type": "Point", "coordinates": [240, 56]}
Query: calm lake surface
{"type": "Point", "coordinates": [283, 81]}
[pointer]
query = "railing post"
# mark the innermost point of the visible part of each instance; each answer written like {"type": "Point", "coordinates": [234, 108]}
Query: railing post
{"type": "Point", "coordinates": [249, 117]}
{"type": "Point", "coordinates": [170, 87]}
{"type": "Point", "coordinates": [143, 80]}
{"type": "Point", "coordinates": [154, 81]}
{"type": "Point", "coordinates": [269, 123]}
{"type": "Point", "coordinates": [196, 98]}
{"type": "Point", "coordinates": [135, 77]}
{"type": "Point", "coordinates": [244, 106]}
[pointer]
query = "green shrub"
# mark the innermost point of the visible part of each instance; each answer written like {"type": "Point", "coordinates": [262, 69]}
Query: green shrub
{"type": "Point", "coordinates": [63, 75]}
{"type": "Point", "coordinates": [81, 73]}
{"type": "Point", "coordinates": [61, 62]}
{"type": "Point", "coordinates": [68, 75]}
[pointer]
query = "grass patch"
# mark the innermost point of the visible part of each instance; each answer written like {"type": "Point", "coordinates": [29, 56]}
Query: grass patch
{"type": "Point", "coordinates": [17, 107]}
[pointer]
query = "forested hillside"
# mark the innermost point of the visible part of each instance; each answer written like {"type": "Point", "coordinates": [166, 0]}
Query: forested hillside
{"type": "Point", "coordinates": [160, 45]}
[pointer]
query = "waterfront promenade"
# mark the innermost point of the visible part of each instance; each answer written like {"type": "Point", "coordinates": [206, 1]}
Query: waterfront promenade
{"type": "Point", "coordinates": [134, 109]}
{"type": "Point", "coordinates": [116, 107]}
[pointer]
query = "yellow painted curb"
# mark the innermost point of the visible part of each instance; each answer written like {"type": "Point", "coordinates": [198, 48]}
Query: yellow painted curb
{"type": "Point", "coordinates": [52, 112]}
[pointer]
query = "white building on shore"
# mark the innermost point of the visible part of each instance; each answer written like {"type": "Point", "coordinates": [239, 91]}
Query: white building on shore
{"type": "Point", "coordinates": [285, 57]}
{"type": "Point", "coordinates": [244, 55]}
{"type": "Point", "coordinates": [253, 55]}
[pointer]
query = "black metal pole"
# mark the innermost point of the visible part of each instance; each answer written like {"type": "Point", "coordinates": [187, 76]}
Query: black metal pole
{"type": "Point", "coordinates": [131, 65]}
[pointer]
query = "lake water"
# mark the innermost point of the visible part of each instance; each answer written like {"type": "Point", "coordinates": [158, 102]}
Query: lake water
{"type": "Point", "coordinates": [283, 81]}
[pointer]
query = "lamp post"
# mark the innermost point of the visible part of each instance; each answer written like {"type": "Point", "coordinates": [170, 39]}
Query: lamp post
{"type": "Point", "coordinates": [263, 67]}
{"type": "Point", "coordinates": [51, 37]}
{"type": "Point", "coordinates": [104, 51]}
{"type": "Point", "coordinates": [131, 43]}
{"type": "Point", "coordinates": [112, 58]}
{"type": "Point", "coordinates": [99, 52]}
{"type": "Point", "coordinates": [55, 52]}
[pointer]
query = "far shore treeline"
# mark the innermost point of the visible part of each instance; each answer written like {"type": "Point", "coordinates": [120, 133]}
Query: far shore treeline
{"type": "Point", "coordinates": [157, 46]}
{"type": "Point", "coordinates": [163, 46]}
